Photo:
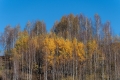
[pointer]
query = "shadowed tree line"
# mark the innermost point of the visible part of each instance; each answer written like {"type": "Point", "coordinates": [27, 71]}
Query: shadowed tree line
{"type": "Point", "coordinates": [76, 48]}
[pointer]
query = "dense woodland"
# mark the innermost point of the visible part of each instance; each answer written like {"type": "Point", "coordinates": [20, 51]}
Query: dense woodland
{"type": "Point", "coordinates": [76, 48]}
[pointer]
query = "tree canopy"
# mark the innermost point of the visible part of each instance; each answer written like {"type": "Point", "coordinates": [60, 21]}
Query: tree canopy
{"type": "Point", "coordinates": [76, 48]}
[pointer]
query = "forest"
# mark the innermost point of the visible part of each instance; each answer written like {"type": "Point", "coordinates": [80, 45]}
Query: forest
{"type": "Point", "coordinates": [76, 48]}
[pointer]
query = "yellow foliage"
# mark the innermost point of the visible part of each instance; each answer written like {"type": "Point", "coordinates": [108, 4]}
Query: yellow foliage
{"type": "Point", "coordinates": [92, 47]}
{"type": "Point", "coordinates": [22, 41]}
{"type": "Point", "coordinates": [79, 50]}
{"type": "Point", "coordinates": [53, 47]}
{"type": "Point", "coordinates": [15, 54]}
{"type": "Point", "coordinates": [64, 48]}
{"type": "Point", "coordinates": [49, 47]}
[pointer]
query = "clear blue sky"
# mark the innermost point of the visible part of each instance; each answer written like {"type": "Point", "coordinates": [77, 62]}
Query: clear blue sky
{"type": "Point", "coordinates": [13, 12]}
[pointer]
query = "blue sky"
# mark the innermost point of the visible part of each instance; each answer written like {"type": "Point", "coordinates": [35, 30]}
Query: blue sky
{"type": "Point", "coordinates": [13, 12]}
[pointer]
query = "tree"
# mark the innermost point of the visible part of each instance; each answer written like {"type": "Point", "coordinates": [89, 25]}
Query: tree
{"type": "Point", "coordinates": [39, 28]}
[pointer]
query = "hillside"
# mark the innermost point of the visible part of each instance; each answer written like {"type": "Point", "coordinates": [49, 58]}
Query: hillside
{"type": "Point", "coordinates": [76, 48]}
